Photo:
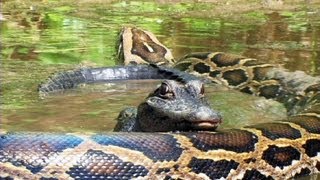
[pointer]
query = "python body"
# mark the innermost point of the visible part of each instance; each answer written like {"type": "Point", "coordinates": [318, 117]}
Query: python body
{"type": "Point", "coordinates": [278, 150]}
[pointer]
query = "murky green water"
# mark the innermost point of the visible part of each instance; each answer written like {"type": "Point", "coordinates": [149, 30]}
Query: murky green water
{"type": "Point", "coordinates": [40, 38]}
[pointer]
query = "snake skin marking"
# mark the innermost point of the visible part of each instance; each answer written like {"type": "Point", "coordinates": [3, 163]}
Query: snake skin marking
{"type": "Point", "coordinates": [213, 169]}
{"type": "Point", "coordinates": [260, 73]}
{"type": "Point", "coordinates": [235, 77]}
{"type": "Point", "coordinates": [199, 55]}
{"type": "Point", "coordinates": [280, 156]}
{"type": "Point", "coordinates": [202, 68]}
{"type": "Point", "coordinates": [99, 165]}
{"type": "Point", "coordinates": [234, 140]}
{"type": "Point", "coordinates": [303, 172]}
{"type": "Point", "coordinates": [166, 149]}
{"type": "Point", "coordinates": [275, 131]}
{"type": "Point", "coordinates": [312, 147]}
{"type": "Point", "coordinates": [142, 47]}
{"type": "Point", "coordinates": [163, 170]}
{"type": "Point", "coordinates": [251, 62]}
{"type": "Point", "coordinates": [255, 174]}
{"type": "Point", "coordinates": [224, 60]}
{"type": "Point", "coordinates": [250, 79]}
{"type": "Point", "coordinates": [214, 74]}
{"type": "Point", "coordinates": [308, 122]}
{"type": "Point", "coordinates": [269, 91]}
{"type": "Point", "coordinates": [183, 66]}
{"type": "Point", "coordinates": [42, 148]}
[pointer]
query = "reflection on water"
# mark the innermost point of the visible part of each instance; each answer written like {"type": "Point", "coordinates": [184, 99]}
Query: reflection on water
{"type": "Point", "coordinates": [43, 38]}
{"type": "Point", "coordinates": [86, 109]}
{"type": "Point", "coordinates": [69, 35]}
{"type": "Point", "coordinates": [95, 108]}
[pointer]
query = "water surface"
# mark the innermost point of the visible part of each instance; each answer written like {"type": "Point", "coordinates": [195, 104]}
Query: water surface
{"type": "Point", "coordinates": [39, 39]}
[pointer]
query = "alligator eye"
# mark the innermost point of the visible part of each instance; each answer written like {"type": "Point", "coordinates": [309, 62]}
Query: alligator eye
{"type": "Point", "coordinates": [165, 91]}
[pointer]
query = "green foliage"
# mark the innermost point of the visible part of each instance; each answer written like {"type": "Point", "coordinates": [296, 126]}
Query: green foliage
{"type": "Point", "coordinates": [297, 20]}
{"type": "Point", "coordinates": [258, 16]}
{"type": "Point", "coordinates": [64, 9]}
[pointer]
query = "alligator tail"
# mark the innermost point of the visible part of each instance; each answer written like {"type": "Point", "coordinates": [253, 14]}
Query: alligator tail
{"type": "Point", "coordinates": [73, 78]}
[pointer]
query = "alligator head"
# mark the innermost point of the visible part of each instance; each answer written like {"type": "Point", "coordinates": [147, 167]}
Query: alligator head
{"type": "Point", "coordinates": [175, 106]}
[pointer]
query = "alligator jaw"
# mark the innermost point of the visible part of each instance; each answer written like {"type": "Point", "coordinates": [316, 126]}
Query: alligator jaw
{"type": "Point", "coordinates": [204, 118]}
{"type": "Point", "coordinates": [202, 125]}
{"type": "Point", "coordinates": [205, 125]}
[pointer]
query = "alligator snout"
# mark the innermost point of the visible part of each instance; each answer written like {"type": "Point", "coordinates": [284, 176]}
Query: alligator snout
{"type": "Point", "coordinates": [205, 118]}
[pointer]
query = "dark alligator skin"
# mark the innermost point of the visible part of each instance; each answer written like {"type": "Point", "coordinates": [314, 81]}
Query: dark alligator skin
{"type": "Point", "coordinates": [73, 78]}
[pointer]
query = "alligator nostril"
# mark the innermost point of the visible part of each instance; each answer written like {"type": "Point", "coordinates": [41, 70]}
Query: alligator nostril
{"type": "Point", "coordinates": [216, 120]}
{"type": "Point", "coordinates": [207, 114]}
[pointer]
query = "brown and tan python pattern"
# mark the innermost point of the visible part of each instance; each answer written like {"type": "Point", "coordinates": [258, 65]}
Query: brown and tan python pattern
{"type": "Point", "coordinates": [265, 151]}
{"type": "Point", "coordinates": [280, 150]}
{"type": "Point", "coordinates": [137, 46]}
